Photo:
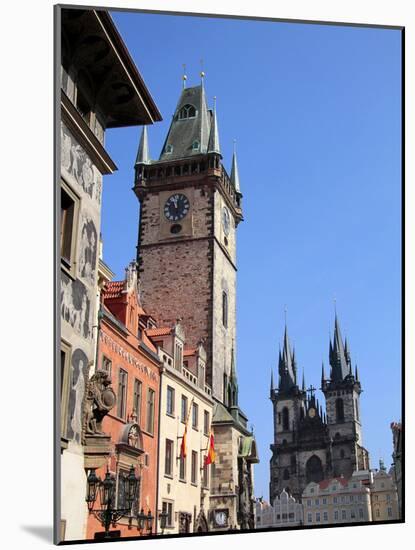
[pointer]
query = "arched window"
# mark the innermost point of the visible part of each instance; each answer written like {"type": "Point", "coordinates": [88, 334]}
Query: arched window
{"type": "Point", "coordinates": [339, 410]}
{"type": "Point", "coordinates": [195, 145]}
{"type": "Point", "coordinates": [285, 419]}
{"type": "Point", "coordinates": [341, 453]}
{"type": "Point", "coordinates": [224, 309]}
{"type": "Point", "coordinates": [286, 474]}
{"type": "Point", "coordinates": [314, 469]}
{"type": "Point", "coordinates": [187, 111]}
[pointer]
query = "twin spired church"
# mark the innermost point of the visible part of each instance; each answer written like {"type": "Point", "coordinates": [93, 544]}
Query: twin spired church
{"type": "Point", "coordinates": [309, 444]}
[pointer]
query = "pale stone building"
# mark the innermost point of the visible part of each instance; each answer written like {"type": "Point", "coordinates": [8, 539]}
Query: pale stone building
{"type": "Point", "coordinates": [183, 482]}
{"type": "Point", "coordinates": [284, 512]}
{"type": "Point", "coordinates": [384, 496]}
{"type": "Point", "coordinates": [336, 500]}
{"type": "Point", "coordinates": [89, 48]}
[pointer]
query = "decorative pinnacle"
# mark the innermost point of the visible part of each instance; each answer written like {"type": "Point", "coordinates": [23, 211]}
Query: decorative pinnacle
{"type": "Point", "coordinates": [184, 77]}
{"type": "Point", "coordinates": [202, 72]}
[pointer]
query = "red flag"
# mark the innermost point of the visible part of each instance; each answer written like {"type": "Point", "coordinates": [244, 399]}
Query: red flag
{"type": "Point", "coordinates": [211, 455]}
{"type": "Point", "coordinates": [183, 450]}
{"type": "Point", "coordinates": [183, 445]}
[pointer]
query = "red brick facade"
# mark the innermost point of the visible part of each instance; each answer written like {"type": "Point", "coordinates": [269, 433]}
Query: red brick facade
{"type": "Point", "coordinates": [134, 369]}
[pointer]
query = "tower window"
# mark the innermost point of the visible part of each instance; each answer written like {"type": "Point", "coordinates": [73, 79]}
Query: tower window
{"type": "Point", "coordinates": [195, 145]}
{"type": "Point", "coordinates": [225, 309]}
{"type": "Point", "coordinates": [285, 419]}
{"type": "Point", "coordinates": [314, 469]}
{"type": "Point", "coordinates": [286, 474]}
{"type": "Point", "coordinates": [339, 410]}
{"type": "Point", "coordinates": [187, 111]}
{"type": "Point", "coordinates": [169, 148]}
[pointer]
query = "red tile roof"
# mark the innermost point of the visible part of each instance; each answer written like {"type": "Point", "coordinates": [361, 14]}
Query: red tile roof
{"type": "Point", "coordinates": [113, 289]}
{"type": "Point", "coordinates": [190, 351]}
{"type": "Point", "coordinates": [162, 331]}
{"type": "Point", "coordinates": [326, 482]}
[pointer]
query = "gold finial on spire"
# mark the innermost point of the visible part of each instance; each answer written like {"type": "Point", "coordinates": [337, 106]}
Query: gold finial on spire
{"type": "Point", "coordinates": [202, 72]}
{"type": "Point", "coordinates": [184, 77]}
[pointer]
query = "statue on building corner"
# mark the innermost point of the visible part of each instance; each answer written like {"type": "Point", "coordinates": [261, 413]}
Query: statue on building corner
{"type": "Point", "coordinates": [99, 400]}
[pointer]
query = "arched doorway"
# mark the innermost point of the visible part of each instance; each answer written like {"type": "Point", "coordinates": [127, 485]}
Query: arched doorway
{"type": "Point", "coordinates": [314, 469]}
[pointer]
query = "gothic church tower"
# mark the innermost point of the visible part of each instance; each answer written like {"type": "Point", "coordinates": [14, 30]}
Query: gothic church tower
{"type": "Point", "coordinates": [189, 211]}
{"type": "Point", "coordinates": [342, 392]}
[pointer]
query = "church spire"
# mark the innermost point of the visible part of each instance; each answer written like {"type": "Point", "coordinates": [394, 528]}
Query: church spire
{"type": "Point", "coordinates": [233, 382]}
{"type": "Point", "coordinates": [189, 130]}
{"type": "Point", "coordinates": [213, 145]}
{"type": "Point", "coordinates": [286, 365]}
{"type": "Point", "coordinates": [143, 156]}
{"type": "Point", "coordinates": [235, 172]}
{"type": "Point", "coordinates": [323, 375]}
{"type": "Point", "coordinates": [337, 355]}
{"type": "Point", "coordinates": [271, 390]}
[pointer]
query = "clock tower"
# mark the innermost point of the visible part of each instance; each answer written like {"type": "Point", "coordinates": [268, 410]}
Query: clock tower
{"type": "Point", "coordinates": [189, 212]}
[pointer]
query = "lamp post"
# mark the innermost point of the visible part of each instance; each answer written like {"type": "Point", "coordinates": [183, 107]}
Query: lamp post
{"type": "Point", "coordinates": [145, 521]}
{"type": "Point", "coordinates": [163, 520]}
{"type": "Point", "coordinates": [108, 514]}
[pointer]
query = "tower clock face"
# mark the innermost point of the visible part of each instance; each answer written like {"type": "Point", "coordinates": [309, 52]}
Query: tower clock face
{"type": "Point", "coordinates": [221, 517]}
{"type": "Point", "coordinates": [176, 207]}
{"type": "Point", "coordinates": [226, 220]}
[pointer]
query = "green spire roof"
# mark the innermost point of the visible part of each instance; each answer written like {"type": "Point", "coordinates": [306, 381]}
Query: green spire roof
{"type": "Point", "coordinates": [143, 156]}
{"type": "Point", "coordinates": [213, 145]}
{"type": "Point", "coordinates": [235, 174]}
{"type": "Point", "coordinates": [190, 128]}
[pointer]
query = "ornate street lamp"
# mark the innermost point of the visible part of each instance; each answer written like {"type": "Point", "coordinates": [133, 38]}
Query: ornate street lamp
{"type": "Point", "coordinates": [145, 521]}
{"type": "Point", "coordinates": [108, 514]}
{"type": "Point", "coordinates": [149, 522]}
{"type": "Point", "coordinates": [141, 518]}
{"type": "Point", "coordinates": [92, 487]}
{"type": "Point", "coordinates": [163, 520]}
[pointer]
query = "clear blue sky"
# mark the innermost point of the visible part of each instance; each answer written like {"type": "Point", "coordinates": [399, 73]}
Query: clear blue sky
{"type": "Point", "coordinates": [315, 111]}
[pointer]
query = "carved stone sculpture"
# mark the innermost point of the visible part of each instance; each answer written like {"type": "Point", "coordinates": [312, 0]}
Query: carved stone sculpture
{"type": "Point", "coordinates": [99, 400]}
